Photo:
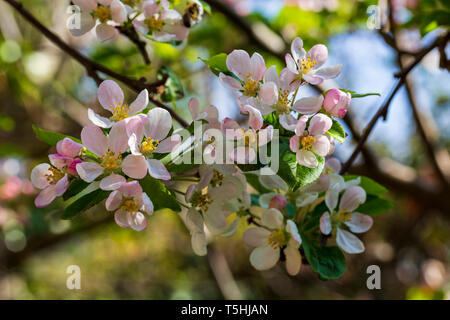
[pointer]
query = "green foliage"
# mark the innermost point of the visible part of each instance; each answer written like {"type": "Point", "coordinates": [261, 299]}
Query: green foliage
{"type": "Point", "coordinates": [312, 219]}
{"type": "Point", "coordinates": [253, 180]}
{"type": "Point", "coordinates": [328, 262]}
{"type": "Point", "coordinates": [49, 137]}
{"type": "Point", "coordinates": [159, 194]}
{"type": "Point", "coordinates": [75, 187]}
{"type": "Point", "coordinates": [294, 174]}
{"type": "Point", "coordinates": [337, 131]}
{"type": "Point", "coordinates": [370, 186]}
{"type": "Point", "coordinates": [374, 205]}
{"type": "Point", "coordinates": [173, 89]}
{"type": "Point", "coordinates": [218, 64]}
{"type": "Point", "coordinates": [84, 203]}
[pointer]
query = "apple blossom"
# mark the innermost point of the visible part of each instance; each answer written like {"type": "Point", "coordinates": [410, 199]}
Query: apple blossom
{"type": "Point", "coordinates": [307, 143]}
{"type": "Point", "coordinates": [103, 11]}
{"type": "Point", "coordinates": [148, 135]}
{"type": "Point", "coordinates": [111, 97]}
{"type": "Point", "coordinates": [270, 239]}
{"type": "Point", "coordinates": [337, 102]}
{"type": "Point", "coordinates": [109, 150]}
{"type": "Point", "coordinates": [308, 66]}
{"type": "Point", "coordinates": [352, 198]}
{"type": "Point", "coordinates": [128, 201]}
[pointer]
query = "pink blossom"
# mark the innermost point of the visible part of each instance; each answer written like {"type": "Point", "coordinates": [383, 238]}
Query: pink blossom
{"type": "Point", "coordinates": [308, 66]}
{"type": "Point", "coordinates": [128, 201]}
{"type": "Point", "coordinates": [111, 98]}
{"type": "Point", "coordinates": [337, 102]}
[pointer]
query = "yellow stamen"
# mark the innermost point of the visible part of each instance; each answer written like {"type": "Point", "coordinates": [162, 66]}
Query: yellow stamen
{"type": "Point", "coordinates": [251, 87]}
{"type": "Point", "coordinates": [110, 161]}
{"type": "Point", "coordinates": [307, 142]}
{"type": "Point", "coordinates": [149, 145]}
{"type": "Point", "coordinates": [343, 215]}
{"type": "Point", "coordinates": [131, 3]}
{"type": "Point", "coordinates": [154, 24]}
{"type": "Point", "coordinates": [102, 13]}
{"type": "Point", "coordinates": [283, 104]}
{"type": "Point", "coordinates": [278, 238]}
{"type": "Point", "coordinates": [120, 112]}
{"type": "Point", "coordinates": [307, 64]}
{"type": "Point", "coordinates": [201, 200]}
{"type": "Point", "coordinates": [130, 205]}
{"type": "Point", "coordinates": [54, 176]}
{"type": "Point", "coordinates": [217, 178]}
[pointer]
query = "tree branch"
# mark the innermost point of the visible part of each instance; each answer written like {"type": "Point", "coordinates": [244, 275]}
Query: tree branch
{"type": "Point", "coordinates": [92, 67]}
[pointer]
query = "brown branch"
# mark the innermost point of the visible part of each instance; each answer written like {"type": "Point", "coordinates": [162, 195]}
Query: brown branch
{"type": "Point", "coordinates": [133, 36]}
{"type": "Point", "coordinates": [92, 67]}
{"type": "Point", "coordinates": [382, 111]}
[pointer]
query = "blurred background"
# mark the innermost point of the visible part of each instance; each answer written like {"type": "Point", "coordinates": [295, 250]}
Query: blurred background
{"type": "Point", "coordinates": [408, 153]}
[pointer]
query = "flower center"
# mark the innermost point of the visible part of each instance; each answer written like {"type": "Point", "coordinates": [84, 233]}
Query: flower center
{"type": "Point", "coordinates": [217, 179]}
{"type": "Point", "coordinates": [120, 112]}
{"type": "Point", "coordinates": [249, 137]}
{"type": "Point", "coordinates": [110, 161]}
{"type": "Point", "coordinates": [283, 104]}
{"type": "Point", "coordinates": [149, 145]}
{"type": "Point", "coordinates": [251, 87]}
{"type": "Point", "coordinates": [102, 13]}
{"type": "Point", "coordinates": [307, 142]}
{"type": "Point", "coordinates": [343, 215]}
{"type": "Point", "coordinates": [201, 200]}
{"type": "Point", "coordinates": [54, 175]}
{"type": "Point", "coordinates": [130, 205]}
{"type": "Point", "coordinates": [307, 64]}
{"type": "Point", "coordinates": [154, 24]}
{"type": "Point", "coordinates": [278, 238]}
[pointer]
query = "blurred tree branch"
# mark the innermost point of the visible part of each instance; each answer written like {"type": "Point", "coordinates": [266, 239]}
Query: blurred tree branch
{"type": "Point", "coordinates": [92, 67]}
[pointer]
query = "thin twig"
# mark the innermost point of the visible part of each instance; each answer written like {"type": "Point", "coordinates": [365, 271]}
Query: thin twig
{"type": "Point", "coordinates": [92, 67]}
{"type": "Point", "coordinates": [131, 34]}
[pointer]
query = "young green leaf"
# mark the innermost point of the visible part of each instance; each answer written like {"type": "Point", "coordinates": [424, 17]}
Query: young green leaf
{"type": "Point", "coordinates": [307, 175]}
{"type": "Point", "coordinates": [173, 89]}
{"type": "Point", "coordinates": [218, 64]}
{"type": "Point", "coordinates": [374, 205]}
{"type": "Point", "coordinates": [337, 131]}
{"type": "Point", "coordinates": [328, 262]}
{"type": "Point", "coordinates": [85, 202]}
{"type": "Point", "coordinates": [159, 194]}
{"type": "Point", "coordinates": [370, 186]}
{"type": "Point", "coordinates": [49, 137]}
{"type": "Point", "coordinates": [75, 187]}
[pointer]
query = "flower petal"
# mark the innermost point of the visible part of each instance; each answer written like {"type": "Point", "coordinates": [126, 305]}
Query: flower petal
{"type": "Point", "coordinates": [325, 223]}
{"type": "Point", "coordinates": [348, 242]}
{"type": "Point", "coordinates": [46, 196]}
{"type": "Point", "coordinates": [290, 63]}
{"type": "Point", "coordinates": [230, 82]}
{"type": "Point", "coordinates": [137, 221]}
{"type": "Point", "coordinates": [39, 175]}
{"type": "Point", "coordinates": [264, 199]}
{"type": "Point", "coordinates": [169, 144]}
{"type": "Point", "coordinates": [321, 146]}
{"type": "Point", "coordinates": [307, 159]}
{"type": "Point", "coordinates": [135, 166]}
{"type": "Point", "coordinates": [257, 66]}
{"type": "Point", "coordinates": [159, 124]}
{"type": "Point", "coordinates": [62, 185]}
{"type": "Point", "coordinates": [272, 218]}
{"type": "Point", "coordinates": [118, 138]}
{"type": "Point", "coordinates": [89, 171]}
{"type": "Point", "coordinates": [268, 93]}
{"type": "Point", "coordinates": [359, 222]}
{"type": "Point", "coordinates": [113, 201]}
{"type": "Point", "coordinates": [194, 221]}
{"type": "Point", "coordinates": [68, 147]}
{"type": "Point", "coordinates": [106, 32]}
{"type": "Point", "coordinates": [308, 105]}
{"type": "Point", "coordinates": [118, 11]}
{"type": "Point", "coordinates": [352, 198]}
{"type": "Point", "coordinates": [121, 218]}
{"type": "Point", "coordinates": [147, 205]}
{"type": "Point", "coordinates": [140, 103]}
{"type": "Point", "coordinates": [157, 170]}
{"type": "Point", "coordinates": [297, 49]}
{"type": "Point", "coordinates": [294, 143]}
{"type": "Point", "coordinates": [238, 62]}
{"type": "Point", "coordinates": [319, 53]}
{"type": "Point", "coordinates": [329, 72]}
{"type": "Point", "coordinates": [243, 155]}
{"type": "Point", "coordinates": [94, 140]}
{"type": "Point", "coordinates": [319, 124]}
{"type": "Point", "coordinates": [256, 237]}
{"type": "Point", "coordinates": [255, 120]}
{"type": "Point", "coordinates": [131, 189]}
{"type": "Point", "coordinates": [301, 125]}
{"type": "Point", "coordinates": [264, 258]}
{"type": "Point", "coordinates": [80, 23]}
{"type": "Point", "coordinates": [198, 242]}
{"type": "Point", "coordinates": [293, 260]}
{"type": "Point", "coordinates": [288, 121]}
{"type": "Point", "coordinates": [112, 182]}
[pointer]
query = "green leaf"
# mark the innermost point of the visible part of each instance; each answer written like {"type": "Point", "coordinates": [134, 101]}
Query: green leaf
{"type": "Point", "coordinates": [218, 64]}
{"type": "Point", "coordinates": [370, 186]}
{"type": "Point", "coordinates": [328, 262]}
{"type": "Point", "coordinates": [337, 131]}
{"type": "Point", "coordinates": [49, 137]}
{"type": "Point", "coordinates": [312, 219]}
{"type": "Point", "coordinates": [173, 89]}
{"type": "Point", "coordinates": [206, 7]}
{"type": "Point", "coordinates": [85, 202]}
{"type": "Point", "coordinates": [374, 205]}
{"type": "Point", "coordinates": [159, 194]}
{"type": "Point", "coordinates": [75, 187]}
{"type": "Point", "coordinates": [293, 173]}
{"type": "Point", "coordinates": [307, 175]}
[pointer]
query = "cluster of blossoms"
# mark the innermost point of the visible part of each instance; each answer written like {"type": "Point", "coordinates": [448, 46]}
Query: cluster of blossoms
{"type": "Point", "coordinates": [160, 20]}
{"type": "Point", "coordinates": [119, 153]}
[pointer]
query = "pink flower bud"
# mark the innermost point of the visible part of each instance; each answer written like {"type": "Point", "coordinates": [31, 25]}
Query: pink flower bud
{"type": "Point", "coordinates": [72, 168]}
{"type": "Point", "coordinates": [278, 202]}
{"type": "Point", "coordinates": [337, 102]}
